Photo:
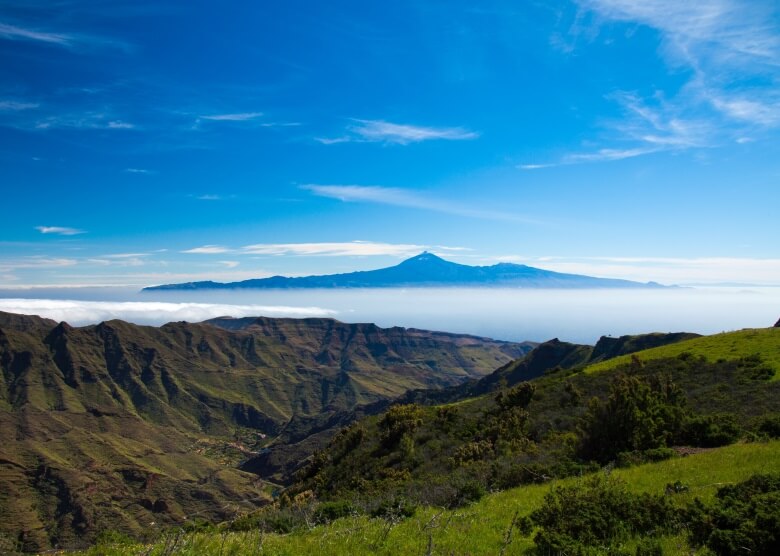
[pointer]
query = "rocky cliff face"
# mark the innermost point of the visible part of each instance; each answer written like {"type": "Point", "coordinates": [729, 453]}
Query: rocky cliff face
{"type": "Point", "coordinates": [115, 426]}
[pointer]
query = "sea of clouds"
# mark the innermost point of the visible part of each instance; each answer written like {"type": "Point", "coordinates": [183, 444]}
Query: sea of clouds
{"type": "Point", "coordinates": [508, 314]}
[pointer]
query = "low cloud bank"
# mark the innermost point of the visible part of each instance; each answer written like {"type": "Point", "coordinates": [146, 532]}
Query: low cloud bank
{"type": "Point", "coordinates": [79, 313]}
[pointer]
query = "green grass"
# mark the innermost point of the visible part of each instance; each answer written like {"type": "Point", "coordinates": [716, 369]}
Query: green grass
{"type": "Point", "coordinates": [727, 345]}
{"type": "Point", "coordinates": [477, 529]}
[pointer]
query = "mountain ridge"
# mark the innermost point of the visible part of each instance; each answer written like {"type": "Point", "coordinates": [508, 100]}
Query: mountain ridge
{"type": "Point", "coordinates": [117, 425]}
{"type": "Point", "coordinates": [423, 270]}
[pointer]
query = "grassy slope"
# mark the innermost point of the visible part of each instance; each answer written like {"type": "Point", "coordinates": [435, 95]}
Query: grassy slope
{"type": "Point", "coordinates": [480, 528]}
{"type": "Point", "coordinates": [727, 345]}
{"type": "Point", "coordinates": [447, 453]}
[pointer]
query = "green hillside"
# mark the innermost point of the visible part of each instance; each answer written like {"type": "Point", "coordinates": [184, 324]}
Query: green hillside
{"type": "Point", "coordinates": [561, 423]}
{"type": "Point", "coordinates": [140, 429]}
{"type": "Point", "coordinates": [727, 345]}
{"type": "Point", "coordinates": [115, 426]}
{"type": "Point", "coordinates": [480, 528]}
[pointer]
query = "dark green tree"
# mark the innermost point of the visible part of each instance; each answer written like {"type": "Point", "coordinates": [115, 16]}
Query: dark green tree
{"type": "Point", "coordinates": [639, 414]}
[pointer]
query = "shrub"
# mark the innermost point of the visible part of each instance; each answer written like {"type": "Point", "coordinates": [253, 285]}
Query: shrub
{"type": "Point", "coordinates": [331, 511]}
{"type": "Point", "coordinates": [639, 414]}
{"type": "Point", "coordinates": [517, 396]}
{"type": "Point", "coordinates": [627, 459]}
{"type": "Point", "coordinates": [649, 547]}
{"type": "Point", "coordinates": [394, 509]}
{"type": "Point", "coordinates": [446, 416]}
{"type": "Point", "coordinates": [597, 513]}
{"type": "Point", "coordinates": [111, 537]}
{"type": "Point", "coordinates": [469, 491]}
{"type": "Point", "coordinates": [472, 451]}
{"type": "Point", "coordinates": [770, 426]}
{"type": "Point", "coordinates": [744, 519]}
{"type": "Point", "coordinates": [711, 431]}
{"type": "Point", "coordinates": [398, 421]}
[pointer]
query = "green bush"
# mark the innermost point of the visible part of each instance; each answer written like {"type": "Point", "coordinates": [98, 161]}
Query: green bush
{"type": "Point", "coordinates": [399, 421]}
{"type": "Point", "coordinates": [394, 509]}
{"type": "Point", "coordinates": [770, 426]}
{"type": "Point", "coordinates": [331, 511]}
{"type": "Point", "coordinates": [469, 491]}
{"type": "Point", "coordinates": [744, 519]}
{"type": "Point", "coordinates": [627, 459]}
{"type": "Point", "coordinates": [649, 547]}
{"type": "Point", "coordinates": [111, 537]}
{"type": "Point", "coordinates": [598, 513]}
{"type": "Point", "coordinates": [710, 431]}
{"type": "Point", "coordinates": [639, 414]}
{"type": "Point", "coordinates": [517, 396]}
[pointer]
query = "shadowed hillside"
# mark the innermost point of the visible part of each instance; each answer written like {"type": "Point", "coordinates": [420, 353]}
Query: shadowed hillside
{"type": "Point", "coordinates": [117, 426]}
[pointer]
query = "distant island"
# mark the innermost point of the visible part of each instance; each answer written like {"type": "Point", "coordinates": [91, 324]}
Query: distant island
{"type": "Point", "coordinates": [424, 270]}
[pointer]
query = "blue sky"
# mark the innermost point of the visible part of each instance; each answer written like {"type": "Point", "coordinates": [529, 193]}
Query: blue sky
{"type": "Point", "coordinates": [149, 143]}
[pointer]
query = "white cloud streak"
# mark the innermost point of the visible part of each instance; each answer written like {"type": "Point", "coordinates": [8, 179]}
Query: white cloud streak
{"type": "Point", "coordinates": [208, 250]}
{"type": "Point", "coordinates": [326, 249]}
{"type": "Point", "coordinates": [666, 270]}
{"type": "Point", "coordinates": [59, 230]}
{"type": "Point", "coordinates": [15, 33]}
{"type": "Point", "coordinates": [12, 32]}
{"type": "Point", "coordinates": [16, 106]}
{"type": "Point", "coordinates": [722, 31]}
{"type": "Point", "coordinates": [126, 255]}
{"type": "Point", "coordinates": [88, 120]}
{"type": "Point", "coordinates": [732, 50]}
{"type": "Point", "coordinates": [345, 249]}
{"type": "Point", "coordinates": [239, 117]}
{"type": "Point", "coordinates": [405, 198]}
{"type": "Point", "coordinates": [35, 263]}
{"type": "Point", "coordinates": [380, 131]}
{"type": "Point", "coordinates": [90, 312]}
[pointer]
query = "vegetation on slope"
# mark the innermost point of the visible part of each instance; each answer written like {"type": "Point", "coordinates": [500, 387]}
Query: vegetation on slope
{"type": "Point", "coordinates": [497, 524]}
{"type": "Point", "coordinates": [563, 423]}
{"type": "Point", "coordinates": [546, 356]}
{"type": "Point", "coordinates": [117, 426]}
{"type": "Point", "coordinates": [727, 345]}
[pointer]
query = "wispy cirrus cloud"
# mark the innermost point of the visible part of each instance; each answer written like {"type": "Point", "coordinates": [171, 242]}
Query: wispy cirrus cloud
{"type": "Point", "coordinates": [70, 40]}
{"type": "Point", "coordinates": [17, 106]}
{"type": "Point", "coordinates": [126, 255]}
{"type": "Point", "coordinates": [406, 198]}
{"type": "Point", "coordinates": [210, 197]}
{"type": "Point", "coordinates": [601, 155]}
{"type": "Point", "coordinates": [35, 262]}
{"type": "Point", "coordinates": [113, 260]}
{"type": "Point", "coordinates": [234, 117]}
{"type": "Point", "coordinates": [732, 53]}
{"type": "Point", "coordinates": [380, 131]}
{"type": "Point", "coordinates": [87, 120]}
{"type": "Point", "coordinates": [666, 270]}
{"type": "Point", "coordinates": [59, 230]}
{"type": "Point", "coordinates": [17, 33]}
{"type": "Point", "coordinates": [337, 249]}
{"type": "Point", "coordinates": [325, 249]}
{"type": "Point", "coordinates": [139, 171]}
{"type": "Point", "coordinates": [648, 126]}
{"type": "Point", "coordinates": [711, 31]}
{"type": "Point", "coordinates": [208, 250]}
